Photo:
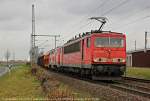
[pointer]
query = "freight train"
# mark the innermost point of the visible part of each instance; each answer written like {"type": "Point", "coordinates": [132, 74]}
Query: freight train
{"type": "Point", "coordinates": [98, 54]}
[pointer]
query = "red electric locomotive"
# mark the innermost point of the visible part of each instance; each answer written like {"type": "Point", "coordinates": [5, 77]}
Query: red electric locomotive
{"type": "Point", "coordinates": [99, 54]}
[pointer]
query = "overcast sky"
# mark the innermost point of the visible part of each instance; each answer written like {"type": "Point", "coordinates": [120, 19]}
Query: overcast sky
{"type": "Point", "coordinates": [68, 18]}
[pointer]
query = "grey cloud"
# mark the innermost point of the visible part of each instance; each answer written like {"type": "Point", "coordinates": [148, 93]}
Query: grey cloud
{"type": "Point", "coordinates": [66, 17]}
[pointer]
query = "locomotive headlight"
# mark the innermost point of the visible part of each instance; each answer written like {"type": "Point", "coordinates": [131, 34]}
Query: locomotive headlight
{"type": "Point", "coordinates": [96, 59]}
{"type": "Point", "coordinates": [123, 60]}
{"type": "Point", "coordinates": [100, 59]}
{"type": "Point", "coordinates": [119, 60]}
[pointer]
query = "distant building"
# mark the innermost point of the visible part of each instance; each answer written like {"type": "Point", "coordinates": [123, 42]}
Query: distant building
{"type": "Point", "coordinates": [138, 58]}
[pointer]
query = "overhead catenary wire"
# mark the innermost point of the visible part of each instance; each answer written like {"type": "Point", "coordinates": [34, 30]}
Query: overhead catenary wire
{"type": "Point", "coordinates": [87, 16]}
{"type": "Point", "coordinates": [42, 43]}
{"type": "Point", "coordinates": [115, 7]}
{"type": "Point", "coordinates": [132, 22]}
{"type": "Point", "coordinates": [129, 16]}
{"type": "Point", "coordinates": [92, 11]}
{"type": "Point", "coordinates": [107, 12]}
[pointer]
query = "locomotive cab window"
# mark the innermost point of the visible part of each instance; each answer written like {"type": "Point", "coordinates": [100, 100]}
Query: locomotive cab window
{"type": "Point", "coordinates": [116, 42]}
{"type": "Point", "coordinates": [102, 42]}
{"type": "Point", "coordinates": [109, 42]}
{"type": "Point", "coordinates": [88, 42]}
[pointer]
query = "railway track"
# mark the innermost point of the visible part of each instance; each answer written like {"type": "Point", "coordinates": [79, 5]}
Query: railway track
{"type": "Point", "coordinates": [126, 87]}
{"type": "Point", "coordinates": [133, 85]}
{"type": "Point", "coordinates": [139, 87]}
{"type": "Point", "coordinates": [119, 85]}
{"type": "Point", "coordinates": [132, 88]}
{"type": "Point", "coordinates": [137, 79]}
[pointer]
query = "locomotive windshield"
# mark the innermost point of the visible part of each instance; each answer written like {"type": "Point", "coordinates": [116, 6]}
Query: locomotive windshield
{"type": "Point", "coordinates": [108, 42]}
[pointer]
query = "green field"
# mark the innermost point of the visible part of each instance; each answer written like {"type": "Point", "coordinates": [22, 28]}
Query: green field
{"type": "Point", "coordinates": [138, 72]}
{"type": "Point", "coordinates": [1, 65]}
{"type": "Point", "coordinates": [19, 83]}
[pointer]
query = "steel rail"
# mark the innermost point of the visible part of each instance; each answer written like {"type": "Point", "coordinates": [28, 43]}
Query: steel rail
{"type": "Point", "coordinates": [137, 79]}
{"type": "Point", "coordinates": [130, 90]}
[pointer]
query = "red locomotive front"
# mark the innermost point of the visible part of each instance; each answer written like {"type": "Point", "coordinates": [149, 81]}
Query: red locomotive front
{"type": "Point", "coordinates": [100, 54]}
{"type": "Point", "coordinates": [108, 54]}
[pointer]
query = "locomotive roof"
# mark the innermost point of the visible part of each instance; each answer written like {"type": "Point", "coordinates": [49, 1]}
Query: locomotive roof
{"type": "Point", "coordinates": [84, 35]}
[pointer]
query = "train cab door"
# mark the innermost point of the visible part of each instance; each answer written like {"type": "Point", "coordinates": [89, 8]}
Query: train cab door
{"type": "Point", "coordinates": [61, 56]}
{"type": "Point", "coordinates": [87, 50]}
{"type": "Point", "coordinates": [82, 51]}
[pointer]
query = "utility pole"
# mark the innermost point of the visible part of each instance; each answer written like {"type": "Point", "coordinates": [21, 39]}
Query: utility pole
{"type": "Point", "coordinates": [33, 24]}
{"type": "Point", "coordinates": [13, 58]}
{"type": "Point", "coordinates": [145, 42]}
{"type": "Point", "coordinates": [55, 41]}
{"type": "Point", "coordinates": [7, 56]}
{"type": "Point", "coordinates": [135, 44]}
{"type": "Point", "coordinates": [32, 50]}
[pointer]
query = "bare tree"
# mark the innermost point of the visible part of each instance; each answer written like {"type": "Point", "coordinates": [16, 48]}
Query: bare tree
{"type": "Point", "coordinates": [7, 56]}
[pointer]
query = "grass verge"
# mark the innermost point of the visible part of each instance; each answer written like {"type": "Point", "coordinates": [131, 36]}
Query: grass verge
{"type": "Point", "coordinates": [19, 83]}
{"type": "Point", "coordinates": [138, 72]}
{"type": "Point", "coordinates": [58, 90]}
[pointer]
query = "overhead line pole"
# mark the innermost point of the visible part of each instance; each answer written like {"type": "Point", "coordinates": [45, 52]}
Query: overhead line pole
{"type": "Point", "coordinates": [135, 44]}
{"type": "Point", "coordinates": [14, 58]}
{"type": "Point", "coordinates": [33, 24]}
{"type": "Point", "coordinates": [55, 41]}
{"type": "Point", "coordinates": [32, 50]}
{"type": "Point", "coordinates": [145, 42]}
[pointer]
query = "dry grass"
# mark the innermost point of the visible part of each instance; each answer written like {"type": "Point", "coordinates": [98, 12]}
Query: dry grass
{"type": "Point", "coordinates": [57, 90]}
